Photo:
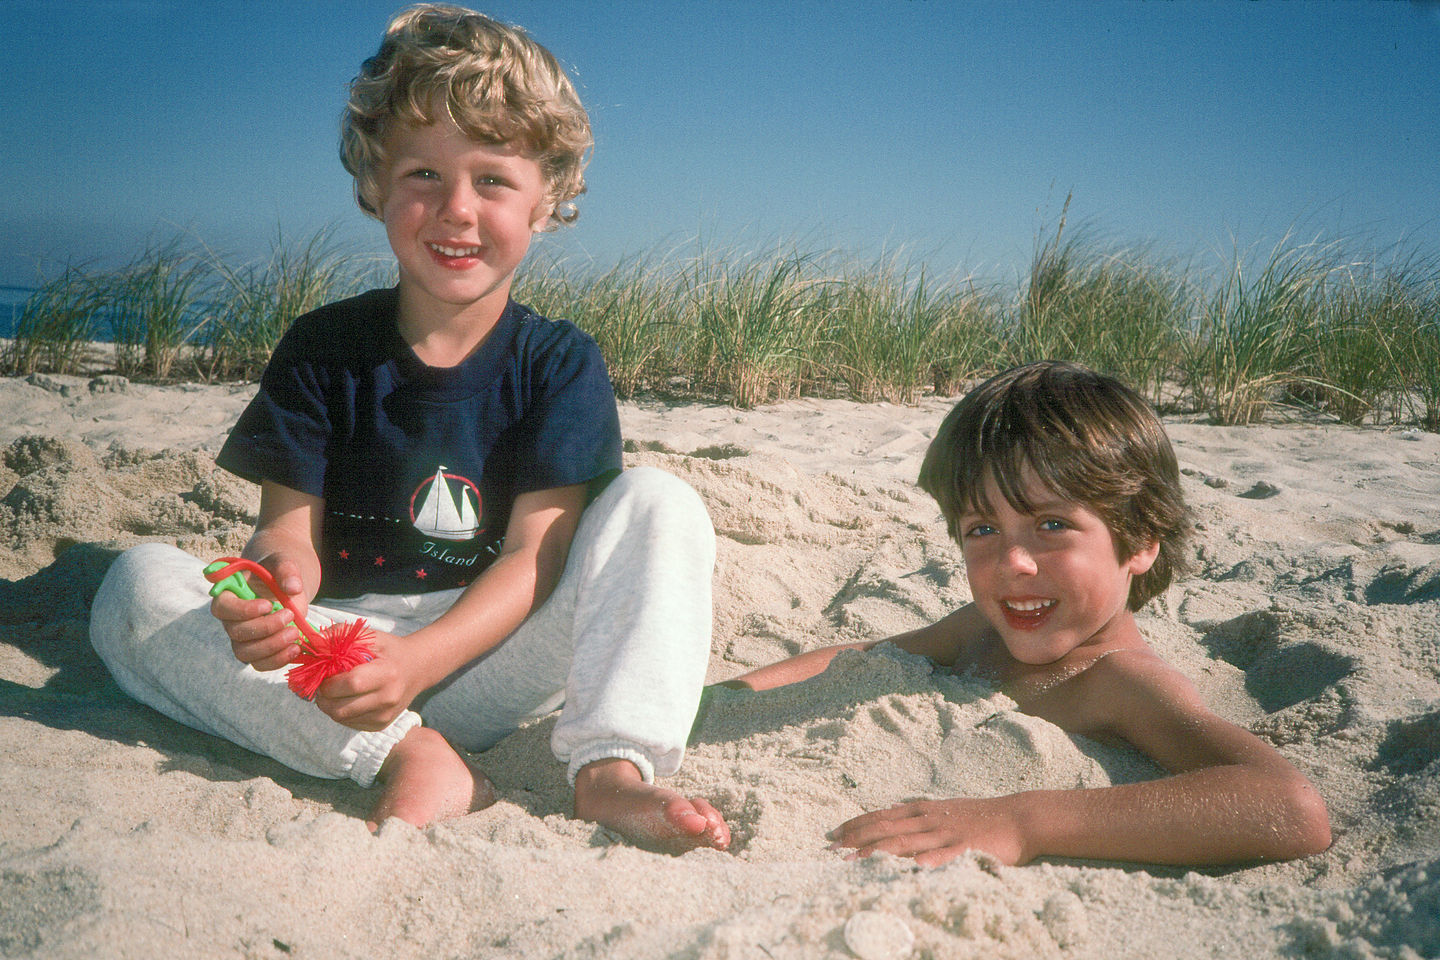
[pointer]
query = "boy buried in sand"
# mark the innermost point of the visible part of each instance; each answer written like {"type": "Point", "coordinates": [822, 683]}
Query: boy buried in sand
{"type": "Point", "coordinates": [1063, 492]}
{"type": "Point", "coordinates": [445, 463]}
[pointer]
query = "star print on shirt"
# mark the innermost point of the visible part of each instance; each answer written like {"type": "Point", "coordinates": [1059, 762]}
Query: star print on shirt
{"type": "Point", "coordinates": [344, 554]}
{"type": "Point", "coordinates": [421, 574]}
{"type": "Point", "coordinates": [379, 561]}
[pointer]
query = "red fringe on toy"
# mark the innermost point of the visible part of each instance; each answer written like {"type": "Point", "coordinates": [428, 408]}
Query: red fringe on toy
{"type": "Point", "coordinates": [335, 649]}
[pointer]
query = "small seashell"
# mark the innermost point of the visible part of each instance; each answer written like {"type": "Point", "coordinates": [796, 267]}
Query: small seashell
{"type": "Point", "coordinates": [873, 935]}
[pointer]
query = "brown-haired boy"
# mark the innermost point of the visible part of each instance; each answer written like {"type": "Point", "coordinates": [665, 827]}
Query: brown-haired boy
{"type": "Point", "coordinates": [1063, 492]}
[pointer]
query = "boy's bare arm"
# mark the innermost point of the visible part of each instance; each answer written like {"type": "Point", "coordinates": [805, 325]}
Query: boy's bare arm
{"type": "Point", "coordinates": [943, 641]}
{"type": "Point", "coordinates": [285, 538]}
{"type": "Point", "coordinates": [284, 543]}
{"type": "Point", "coordinates": [1232, 798]}
{"type": "Point", "coordinates": [537, 542]}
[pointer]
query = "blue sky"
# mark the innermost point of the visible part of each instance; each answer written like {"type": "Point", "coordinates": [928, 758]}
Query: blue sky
{"type": "Point", "coordinates": [952, 130]}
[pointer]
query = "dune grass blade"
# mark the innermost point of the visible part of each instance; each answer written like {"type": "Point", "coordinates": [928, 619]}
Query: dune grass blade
{"type": "Point", "coordinates": [1356, 338]}
{"type": "Point", "coordinates": [875, 325]}
{"type": "Point", "coordinates": [1352, 369]}
{"type": "Point", "coordinates": [1252, 341]}
{"type": "Point", "coordinates": [55, 327]}
{"type": "Point", "coordinates": [1115, 311]}
{"type": "Point", "coordinates": [1425, 346]}
{"type": "Point", "coordinates": [756, 329]}
{"type": "Point", "coordinates": [970, 343]}
{"type": "Point", "coordinates": [891, 336]}
{"type": "Point", "coordinates": [258, 302]}
{"type": "Point", "coordinates": [156, 307]}
{"type": "Point", "coordinates": [1416, 347]}
{"type": "Point", "coordinates": [632, 310]}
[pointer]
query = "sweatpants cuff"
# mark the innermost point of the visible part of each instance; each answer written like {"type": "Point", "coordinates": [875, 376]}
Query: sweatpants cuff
{"type": "Point", "coordinates": [606, 750]}
{"type": "Point", "coordinates": [366, 752]}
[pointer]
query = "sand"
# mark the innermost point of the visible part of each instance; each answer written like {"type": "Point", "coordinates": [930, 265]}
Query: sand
{"type": "Point", "coordinates": [1313, 618]}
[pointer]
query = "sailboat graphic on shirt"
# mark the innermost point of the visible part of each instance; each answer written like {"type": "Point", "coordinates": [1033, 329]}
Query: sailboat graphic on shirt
{"type": "Point", "coordinates": [441, 513]}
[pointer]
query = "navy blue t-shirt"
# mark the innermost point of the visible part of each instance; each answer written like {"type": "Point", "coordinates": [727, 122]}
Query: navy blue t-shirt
{"type": "Point", "coordinates": [419, 466]}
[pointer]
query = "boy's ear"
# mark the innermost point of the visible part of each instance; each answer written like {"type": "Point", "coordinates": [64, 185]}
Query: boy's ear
{"type": "Point", "coordinates": [540, 217]}
{"type": "Point", "coordinates": [1144, 558]}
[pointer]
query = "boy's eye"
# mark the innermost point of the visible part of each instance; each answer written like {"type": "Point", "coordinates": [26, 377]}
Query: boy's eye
{"type": "Point", "coordinates": [977, 530]}
{"type": "Point", "coordinates": [1053, 525]}
{"type": "Point", "coordinates": [424, 173]}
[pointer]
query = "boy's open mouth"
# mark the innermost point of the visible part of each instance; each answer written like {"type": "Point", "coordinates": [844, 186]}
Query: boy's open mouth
{"type": "Point", "coordinates": [1026, 614]}
{"type": "Point", "coordinates": [450, 254]}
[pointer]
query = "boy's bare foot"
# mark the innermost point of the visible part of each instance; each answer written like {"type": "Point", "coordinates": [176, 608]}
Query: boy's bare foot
{"type": "Point", "coordinates": [424, 780]}
{"type": "Point", "coordinates": [612, 793]}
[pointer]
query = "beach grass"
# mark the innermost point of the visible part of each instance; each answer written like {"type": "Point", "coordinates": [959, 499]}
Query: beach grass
{"type": "Point", "coordinates": [155, 307]}
{"type": "Point", "coordinates": [1413, 343]}
{"type": "Point", "coordinates": [1356, 375]}
{"type": "Point", "coordinates": [633, 310]}
{"type": "Point", "coordinates": [255, 303]}
{"type": "Point", "coordinates": [55, 326]}
{"type": "Point", "coordinates": [1307, 326]}
{"type": "Point", "coordinates": [883, 328]}
{"type": "Point", "coordinates": [1115, 310]}
{"type": "Point", "coordinates": [1254, 337]}
{"type": "Point", "coordinates": [756, 323]}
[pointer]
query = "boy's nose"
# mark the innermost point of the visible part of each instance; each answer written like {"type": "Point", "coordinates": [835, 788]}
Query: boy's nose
{"type": "Point", "coordinates": [1019, 559]}
{"type": "Point", "coordinates": [459, 206]}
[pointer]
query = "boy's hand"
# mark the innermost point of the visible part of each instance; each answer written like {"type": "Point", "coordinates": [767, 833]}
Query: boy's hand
{"type": "Point", "coordinates": [372, 695]}
{"type": "Point", "coordinates": [937, 831]}
{"type": "Point", "coordinates": [260, 635]}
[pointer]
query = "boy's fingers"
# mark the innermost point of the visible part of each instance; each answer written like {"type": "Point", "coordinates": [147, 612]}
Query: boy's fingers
{"type": "Point", "coordinates": [254, 638]}
{"type": "Point", "coordinates": [867, 821]}
{"type": "Point", "coordinates": [358, 681]}
{"type": "Point", "coordinates": [334, 693]}
{"type": "Point", "coordinates": [359, 713]}
{"type": "Point", "coordinates": [275, 661]}
{"type": "Point", "coordinates": [275, 648]}
{"type": "Point", "coordinates": [353, 693]}
{"type": "Point", "coordinates": [908, 844]}
{"type": "Point", "coordinates": [899, 845]}
{"type": "Point", "coordinates": [287, 576]}
{"type": "Point", "coordinates": [227, 606]}
{"type": "Point", "coordinates": [939, 856]}
{"type": "Point", "coordinates": [252, 619]}
{"type": "Point", "coordinates": [869, 829]}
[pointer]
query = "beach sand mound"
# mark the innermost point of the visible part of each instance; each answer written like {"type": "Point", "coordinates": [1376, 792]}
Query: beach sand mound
{"type": "Point", "coordinates": [1312, 618]}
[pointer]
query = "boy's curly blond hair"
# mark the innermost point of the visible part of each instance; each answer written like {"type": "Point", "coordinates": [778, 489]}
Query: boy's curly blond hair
{"type": "Point", "coordinates": [1087, 437]}
{"type": "Point", "coordinates": [491, 79]}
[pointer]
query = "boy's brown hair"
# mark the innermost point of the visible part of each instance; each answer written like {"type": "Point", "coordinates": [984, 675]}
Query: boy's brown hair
{"type": "Point", "coordinates": [1088, 437]}
{"type": "Point", "coordinates": [491, 79]}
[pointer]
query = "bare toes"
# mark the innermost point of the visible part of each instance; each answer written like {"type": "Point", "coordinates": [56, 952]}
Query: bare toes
{"type": "Point", "coordinates": [716, 828]}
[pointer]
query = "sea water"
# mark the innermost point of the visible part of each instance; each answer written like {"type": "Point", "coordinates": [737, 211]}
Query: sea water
{"type": "Point", "coordinates": [12, 299]}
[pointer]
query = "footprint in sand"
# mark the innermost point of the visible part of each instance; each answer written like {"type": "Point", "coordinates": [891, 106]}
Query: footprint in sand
{"type": "Point", "coordinates": [1262, 490]}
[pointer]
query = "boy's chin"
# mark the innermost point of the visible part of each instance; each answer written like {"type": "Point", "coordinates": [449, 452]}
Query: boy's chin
{"type": "Point", "coordinates": [1036, 652]}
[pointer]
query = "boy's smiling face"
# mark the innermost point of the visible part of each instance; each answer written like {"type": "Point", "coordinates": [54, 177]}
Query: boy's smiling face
{"type": "Point", "coordinates": [459, 215]}
{"type": "Point", "coordinates": [1048, 580]}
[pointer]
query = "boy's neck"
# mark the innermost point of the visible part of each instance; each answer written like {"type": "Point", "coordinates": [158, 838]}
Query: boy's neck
{"type": "Point", "coordinates": [1021, 679]}
{"type": "Point", "coordinates": [445, 335]}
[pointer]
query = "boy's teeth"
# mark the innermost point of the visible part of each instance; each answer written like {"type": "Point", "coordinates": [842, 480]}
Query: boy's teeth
{"type": "Point", "coordinates": [1028, 606]}
{"type": "Point", "coordinates": [455, 251]}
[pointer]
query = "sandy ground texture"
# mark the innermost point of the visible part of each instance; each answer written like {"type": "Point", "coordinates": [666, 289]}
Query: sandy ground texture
{"type": "Point", "coordinates": [1313, 619]}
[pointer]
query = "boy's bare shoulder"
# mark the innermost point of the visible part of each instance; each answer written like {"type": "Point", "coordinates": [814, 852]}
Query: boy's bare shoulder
{"type": "Point", "coordinates": [1114, 692]}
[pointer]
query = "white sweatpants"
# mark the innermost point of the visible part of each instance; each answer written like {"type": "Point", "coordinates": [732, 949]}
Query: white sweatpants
{"type": "Point", "coordinates": [622, 643]}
